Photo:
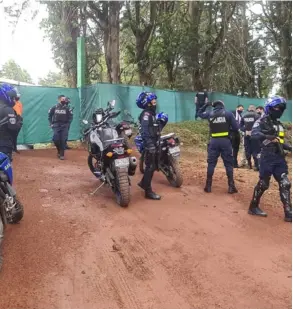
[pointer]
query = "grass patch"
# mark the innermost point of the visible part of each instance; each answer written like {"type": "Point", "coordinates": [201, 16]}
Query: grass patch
{"type": "Point", "coordinates": [191, 133]}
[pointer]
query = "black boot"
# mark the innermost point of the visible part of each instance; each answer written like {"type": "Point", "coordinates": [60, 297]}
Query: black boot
{"type": "Point", "coordinates": [208, 187]}
{"type": "Point", "coordinates": [231, 189]}
{"type": "Point", "coordinates": [255, 210]}
{"type": "Point", "coordinates": [288, 214]}
{"type": "Point", "coordinates": [149, 194]}
{"type": "Point", "coordinates": [259, 189]}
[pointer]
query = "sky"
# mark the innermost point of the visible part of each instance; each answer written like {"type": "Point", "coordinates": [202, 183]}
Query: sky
{"type": "Point", "coordinates": [27, 46]}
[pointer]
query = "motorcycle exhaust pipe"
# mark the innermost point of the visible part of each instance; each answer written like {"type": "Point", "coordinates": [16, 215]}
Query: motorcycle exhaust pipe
{"type": "Point", "coordinates": [132, 166]}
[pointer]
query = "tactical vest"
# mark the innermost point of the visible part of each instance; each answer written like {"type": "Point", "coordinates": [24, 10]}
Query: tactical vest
{"type": "Point", "coordinates": [249, 119]}
{"type": "Point", "coordinates": [154, 128]}
{"type": "Point", "coordinates": [201, 97]}
{"type": "Point", "coordinates": [219, 125]}
{"type": "Point", "coordinates": [61, 114]}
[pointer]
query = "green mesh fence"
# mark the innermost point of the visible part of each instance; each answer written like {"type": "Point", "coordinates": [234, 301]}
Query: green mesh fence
{"type": "Point", "coordinates": [178, 105]}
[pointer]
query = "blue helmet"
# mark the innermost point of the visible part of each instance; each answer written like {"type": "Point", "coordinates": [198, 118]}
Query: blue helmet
{"type": "Point", "coordinates": [144, 98]}
{"type": "Point", "coordinates": [275, 101]}
{"type": "Point", "coordinates": [162, 117]}
{"type": "Point", "coordinates": [8, 93]}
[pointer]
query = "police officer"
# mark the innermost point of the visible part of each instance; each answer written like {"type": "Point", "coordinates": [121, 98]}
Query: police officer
{"type": "Point", "coordinates": [9, 123]}
{"type": "Point", "coordinates": [59, 117]}
{"type": "Point", "coordinates": [221, 123]}
{"type": "Point", "coordinates": [270, 132]}
{"type": "Point", "coordinates": [200, 99]}
{"type": "Point", "coordinates": [150, 133]}
{"type": "Point", "coordinates": [67, 101]}
{"type": "Point", "coordinates": [247, 121]}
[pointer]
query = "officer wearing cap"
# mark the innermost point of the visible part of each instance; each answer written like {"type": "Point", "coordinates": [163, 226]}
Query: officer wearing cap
{"type": "Point", "coordinates": [221, 123]}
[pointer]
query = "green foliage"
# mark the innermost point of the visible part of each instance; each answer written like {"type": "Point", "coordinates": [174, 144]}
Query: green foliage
{"type": "Point", "coordinates": [191, 133]}
{"type": "Point", "coordinates": [53, 79]}
{"type": "Point", "coordinates": [12, 70]}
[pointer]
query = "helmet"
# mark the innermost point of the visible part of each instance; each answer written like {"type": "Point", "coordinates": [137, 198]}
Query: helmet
{"type": "Point", "coordinates": [8, 94]}
{"type": "Point", "coordinates": [162, 117]}
{"type": "Point", "coordinates": [144, 98]}
{"type": "Point", "coordinates": [275, 101]}
{"type": "Point", "coordinates": [218, 103]}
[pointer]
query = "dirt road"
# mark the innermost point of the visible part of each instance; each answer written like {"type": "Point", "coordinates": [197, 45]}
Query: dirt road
{"type": "Point", "coordinates": [189, 250]}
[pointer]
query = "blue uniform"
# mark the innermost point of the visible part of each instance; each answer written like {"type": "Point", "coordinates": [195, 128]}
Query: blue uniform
{"type": "Point", "coordinates": [221, 124]}
{"type": "Point", "coordinates": [250, 144]}
{"type": "Point", "coordinates": [271, 163]}
{"type": "Point", "coordinates": [150, 133]}
{"type": "Point", "coordinates": [9, 125]}
{"type": "Point", "coordinates": [272, 160]}
{"type": "Point", "coordinates": [59, 117]}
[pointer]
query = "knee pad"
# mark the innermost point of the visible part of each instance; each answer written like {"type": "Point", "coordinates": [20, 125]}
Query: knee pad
{"type": "Point", "coordinates": [264, 184]}
{"type": "Point", "coordinates": [285, 182]}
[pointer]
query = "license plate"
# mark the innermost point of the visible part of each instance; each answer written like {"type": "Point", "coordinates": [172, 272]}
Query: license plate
{"type": "Point", "coordinates": [128, 132]}
{"type": "Point", "coordinates": [174, 150]}
{"type": "Point", "coordinates": [122, 162]}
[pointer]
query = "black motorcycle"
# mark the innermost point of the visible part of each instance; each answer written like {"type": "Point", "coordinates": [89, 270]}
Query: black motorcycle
{"type": "Point", "coordinates": [124, 128]}
{"type": "Point", "coordinates": [166, 159]}
{"type": "Point", "coordinates": [109, 157]}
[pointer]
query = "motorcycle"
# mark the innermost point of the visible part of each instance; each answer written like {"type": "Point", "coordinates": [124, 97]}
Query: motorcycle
{"type": "Point", "coordinates": [109, 157]}
{"type": "Point", "coordinates": [124, 128]}
{"type": "Point", "coordinates": [167, 158]}
{"type": "Point", "coordinates": [11, 210]}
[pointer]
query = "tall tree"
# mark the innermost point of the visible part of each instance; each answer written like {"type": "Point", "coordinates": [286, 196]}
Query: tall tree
{"type": "Point", "coordinates": [12, 70]}
{"type": "Point", "coordinates": [53, 79]}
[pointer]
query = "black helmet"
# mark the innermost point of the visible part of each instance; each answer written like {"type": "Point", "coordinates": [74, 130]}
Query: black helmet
{"type": "Point", "coordinates": [218, 103]}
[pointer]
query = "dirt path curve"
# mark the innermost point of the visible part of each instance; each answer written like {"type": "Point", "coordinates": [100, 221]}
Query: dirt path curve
{"type": "Point", "coordinates": [190, 250]}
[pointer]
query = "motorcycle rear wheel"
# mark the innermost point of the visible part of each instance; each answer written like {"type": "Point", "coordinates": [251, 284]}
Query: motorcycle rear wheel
{"type": "Point", "coordinates": [175, 179]}
{"type": "Point", "coordinates": [122, 190]}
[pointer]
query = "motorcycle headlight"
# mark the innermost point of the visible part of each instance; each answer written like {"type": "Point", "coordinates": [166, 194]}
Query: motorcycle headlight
{"type": "Point", "coordinates": [99, 118]}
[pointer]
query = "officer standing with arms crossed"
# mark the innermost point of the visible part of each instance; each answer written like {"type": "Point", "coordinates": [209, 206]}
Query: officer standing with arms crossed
{"type": "Point", "coordinates": [221, 123]}
{"type": "Point", "coordinates": [150, 133]}
{"type": "Point", "coordinates": [270, 132]}
{"type": "Point", "coordinates": [9, 123]}
{"type": "Point", "coordinates": [59, 117]}
{"type": "Point", "coordinates": [247, 121]}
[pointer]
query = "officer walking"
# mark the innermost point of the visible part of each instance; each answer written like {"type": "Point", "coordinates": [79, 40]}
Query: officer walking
{"type": "Point", "coordinates": [59, 117]}
{"type": "Point", "coordinates": [150, 133]}
{"type": "Point", "coordinates": [200, 99]}
{"type": "Point", "coordinates": [247, 121]}
{"type": "Point", "coordinates": [9, 123]}
{"type": "Point", "coordinates": [221, 123]}
{"type": "Point", "coordinates": [270, 132]}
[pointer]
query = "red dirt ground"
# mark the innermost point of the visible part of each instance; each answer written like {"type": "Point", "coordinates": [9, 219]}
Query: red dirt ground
{"type": "Point", "coordinates": [189, 250]}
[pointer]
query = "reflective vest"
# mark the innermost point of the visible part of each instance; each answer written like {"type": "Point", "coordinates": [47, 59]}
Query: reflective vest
{"type": "Point", "coordinates": [281, 133]}
{"type": "Point", "coordinates": [219, 125]}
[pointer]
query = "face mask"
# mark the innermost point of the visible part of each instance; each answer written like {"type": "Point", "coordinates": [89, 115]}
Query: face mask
{"type": "Point", "coordinates": [240, 112]}
{"type": "Point", "coordinates": [259, 113]}
{"type": "Point", "coordinates": [276, 114]}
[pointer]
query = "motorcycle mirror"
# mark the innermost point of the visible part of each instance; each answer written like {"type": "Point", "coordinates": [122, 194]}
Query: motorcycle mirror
{"type": "Point", "coordinates": [112, 103]}
{"type": "Point", "coordinates": [85, 121]}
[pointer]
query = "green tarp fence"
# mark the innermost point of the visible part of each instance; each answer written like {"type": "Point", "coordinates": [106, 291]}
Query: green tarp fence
{"type": "Point", "coordinates": [178, 105]}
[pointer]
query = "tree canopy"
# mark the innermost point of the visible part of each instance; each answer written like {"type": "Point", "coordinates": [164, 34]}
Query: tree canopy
{"type": "Point", "coordinates": [227, 46]}
{"type": "Point", "coordinates": [12, 70]}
